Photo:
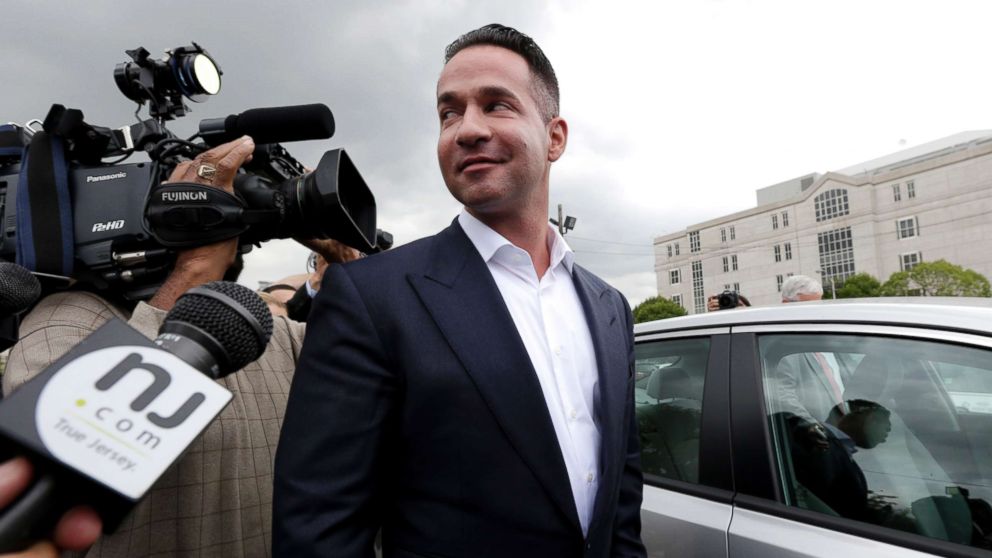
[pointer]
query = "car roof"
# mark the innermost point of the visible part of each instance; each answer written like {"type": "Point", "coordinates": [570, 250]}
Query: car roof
{"type": "Point", "coordinates": [953, 313]}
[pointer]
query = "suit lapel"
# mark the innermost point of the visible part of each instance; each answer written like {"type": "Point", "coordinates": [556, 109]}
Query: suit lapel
{"type": "Point", "coordinates": [459, 292]}
{"type": "Point", "coordinates": [606, 328]}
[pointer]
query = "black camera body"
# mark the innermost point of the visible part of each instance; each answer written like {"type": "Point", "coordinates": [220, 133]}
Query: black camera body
{"type": "Point", "coordinates": [107, 207]}
{"type": "Point", "coordinates": [128, 225]}
{"type": "Point", "coordinates": [728, 299]}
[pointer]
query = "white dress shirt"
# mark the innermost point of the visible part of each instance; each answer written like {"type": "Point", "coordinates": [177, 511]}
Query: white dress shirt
{"type": "Point", "coordinates": [552, 324]}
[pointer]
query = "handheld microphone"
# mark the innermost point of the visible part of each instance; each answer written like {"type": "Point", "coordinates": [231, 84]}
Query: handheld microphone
{"type": "Point", "coordinates": [19, 288]}
{"type": "Point", "coordinates": [271, 125]}
{"type": "Point", "coordinates": [105, 421]}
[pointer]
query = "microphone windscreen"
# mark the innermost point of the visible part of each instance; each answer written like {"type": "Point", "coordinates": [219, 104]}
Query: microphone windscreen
{"type": "Point", "coordinates": [282, 124]}
{"type": "Point", "coordinates": [18, 288]}
{"type": "Point", "coordinates": [238, 319]}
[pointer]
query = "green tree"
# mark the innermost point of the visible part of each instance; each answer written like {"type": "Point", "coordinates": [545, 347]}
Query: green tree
{"type": "Point", "coordinates": [939, 278]}
{"type": "Point", "coordinates": [860, 285]}
{"type": "Point", "coordinates": [656, 308]}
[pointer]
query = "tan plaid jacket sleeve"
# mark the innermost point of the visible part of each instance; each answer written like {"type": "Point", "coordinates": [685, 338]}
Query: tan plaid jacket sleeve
{"type": "Point", "coordinates": [217, 499]}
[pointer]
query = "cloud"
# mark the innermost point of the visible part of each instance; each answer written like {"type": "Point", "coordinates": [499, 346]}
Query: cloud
{"type": "Point", "coordinates": [678, 111]}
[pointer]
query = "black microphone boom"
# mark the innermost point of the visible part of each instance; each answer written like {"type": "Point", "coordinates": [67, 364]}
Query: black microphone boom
{"type": "Point", "coordinates": [271, 125]}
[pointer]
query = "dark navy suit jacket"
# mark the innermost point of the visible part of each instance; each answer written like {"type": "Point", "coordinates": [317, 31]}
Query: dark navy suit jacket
{"type": "Point", "coordinates": [415, 409]}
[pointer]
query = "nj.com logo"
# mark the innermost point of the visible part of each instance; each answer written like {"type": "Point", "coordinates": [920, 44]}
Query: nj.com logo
{"type": "Point", "coordinates": [161, 378]}
{"type": "Point", "coordinates": [123, 414]}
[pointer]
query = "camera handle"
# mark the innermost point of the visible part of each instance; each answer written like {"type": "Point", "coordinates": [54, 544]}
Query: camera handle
{"type": "Point", "coordinates": [187, 214]}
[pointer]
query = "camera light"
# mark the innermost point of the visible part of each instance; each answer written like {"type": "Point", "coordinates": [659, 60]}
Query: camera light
{"type": "Point", "coordinates": [207, 74]}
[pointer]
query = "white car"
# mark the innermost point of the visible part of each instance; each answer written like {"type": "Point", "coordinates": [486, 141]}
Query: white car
{"type": "Point", "coordinates": [833, 429]}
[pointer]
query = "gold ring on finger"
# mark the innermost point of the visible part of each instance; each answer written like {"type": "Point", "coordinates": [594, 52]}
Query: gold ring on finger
{"type": "Point", "coordinates": [206, 171]}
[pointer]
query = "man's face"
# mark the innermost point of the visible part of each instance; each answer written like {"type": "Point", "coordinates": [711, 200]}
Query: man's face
{"type": "Point", "coordinates": [495, 150]}
{"type": "Point", "coordinates": [805, 297]}
{"type": "Point", "coordinates": [868, 429]}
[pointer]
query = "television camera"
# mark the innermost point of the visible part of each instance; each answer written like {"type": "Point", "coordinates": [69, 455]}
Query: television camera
{"type": "Point", "coordinates": [71, 216]}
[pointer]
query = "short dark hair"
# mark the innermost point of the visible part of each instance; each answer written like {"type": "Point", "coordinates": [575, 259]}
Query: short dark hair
{"type": "Point", "coordinates": [546, 92]}
{"type": "Point", "coordinates": [855, 407]}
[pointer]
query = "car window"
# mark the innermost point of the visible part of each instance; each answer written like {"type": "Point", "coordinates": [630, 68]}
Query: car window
{"type": "Point", "coordinates": [669, 398]}
{"type": "Point", "coordinates": [887, 431]}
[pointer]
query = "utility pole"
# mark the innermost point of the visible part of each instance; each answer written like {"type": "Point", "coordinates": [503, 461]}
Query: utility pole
{"type": "Point", "coordinates": [833, 288]}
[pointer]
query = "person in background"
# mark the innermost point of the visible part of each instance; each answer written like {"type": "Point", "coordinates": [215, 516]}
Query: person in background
{"type": "Point", "coordinates": [801, 288]}
{"type": "Point", "coordinates": [713, 302]}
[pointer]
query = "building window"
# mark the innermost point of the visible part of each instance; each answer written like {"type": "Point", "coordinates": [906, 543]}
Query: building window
{"type": "Point", "coordinates": [896, 194]}
{"type": "Point", "coordinates": [778, 282]}
{"type": "Point", "coordinates": [698, 297]}
{"type": "Point", "coordinates": [774, 221]}
{"type": "Point", "coordinates": [836, 254]}
{"type": "Point", "coordinates": [737, 287]}
{"type": "Point", "coordinates": [785, 218]}
{"type": "Point", "coordinates": [676, 248]}
{"type": "Point", "coordinates": [675, 276]}
{"type": "Point", "coordinates": [669, 250]}
{"type": "Point", "coordinates": [733, 233]}
{"type": "Point", "coordinates": [677, 299]}
{"type": "Point", "coordinates": [909, 261]}
{"type": "Point", "coordinates": [733, 262]}
{"type": "Point", "coordinates": [910, 189]}
{"type": "Point", "coordinates": [726, 264]}
{"type": "Point", "coordinates": [723, 235]}
{"type": "Point", "coordinates": [830, 204]}
{"type": "Point", "coordinates": [778, 253]}
{"type": "Point", "coordinates": [788, 250]}
{"type": "Point", "coordinates": [694, 242]}
{"type": "Point", "coordinates": [908, 227]}
{"type": "Point", "coordinates": [726, 286]}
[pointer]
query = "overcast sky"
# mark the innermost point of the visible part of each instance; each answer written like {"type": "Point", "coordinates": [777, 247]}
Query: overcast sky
{"type": "Point", "coordinates": [677, 111]}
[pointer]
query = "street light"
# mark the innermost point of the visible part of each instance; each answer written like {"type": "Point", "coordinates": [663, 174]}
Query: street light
{"type": "Point", "coordinates": [833, 289]}
{"type": "Point", "coordinates": [564, 224]}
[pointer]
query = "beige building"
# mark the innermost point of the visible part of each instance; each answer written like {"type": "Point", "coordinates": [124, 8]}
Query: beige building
{"type": "Point", "coordinates": [927, 203]}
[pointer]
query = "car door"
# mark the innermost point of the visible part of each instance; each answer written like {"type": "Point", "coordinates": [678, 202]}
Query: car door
{"type": "Point", "coordinates": [896, 465]}
{"type": "Point", "coordinates": [681, 399]}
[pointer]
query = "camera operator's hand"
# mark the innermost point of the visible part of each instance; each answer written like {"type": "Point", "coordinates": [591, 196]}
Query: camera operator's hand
{"type": "Point", "coordinates": [78, 528]}
{"type": "Point", "coordinates": [328, 251]}
{"type": "Point", "coordinates": [196, 266]}
{"type": "Point", "coordinates": [713, 303]}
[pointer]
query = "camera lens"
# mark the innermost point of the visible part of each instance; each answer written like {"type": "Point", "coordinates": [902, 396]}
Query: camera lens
{"type": "Point", "coordinates": [333, 201]}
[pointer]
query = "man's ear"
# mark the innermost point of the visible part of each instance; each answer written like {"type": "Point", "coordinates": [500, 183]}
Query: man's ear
{"type": "Point", "coordinates": [558, 136]}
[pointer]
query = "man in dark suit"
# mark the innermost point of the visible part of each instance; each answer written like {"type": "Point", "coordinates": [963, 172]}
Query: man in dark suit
{"type": "Point", "coordinates": [471, 393]}
{"type": "Point", "coordinates": [831, 473]}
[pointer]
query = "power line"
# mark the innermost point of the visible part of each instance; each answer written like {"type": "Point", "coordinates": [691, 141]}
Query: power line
{"type": "Point", "coordinates": [609, 242]}
{"type": "Point", "coordinates": [612, 253]}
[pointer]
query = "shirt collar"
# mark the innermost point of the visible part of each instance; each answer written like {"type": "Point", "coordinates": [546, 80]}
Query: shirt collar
{"type": "Point", "coordinates": [487, 241]}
